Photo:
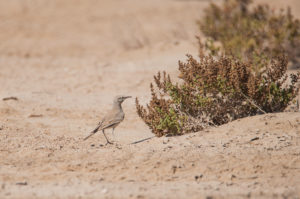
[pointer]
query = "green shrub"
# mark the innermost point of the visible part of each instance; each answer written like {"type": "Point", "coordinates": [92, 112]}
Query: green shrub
{"type": "Point", "coordinates": [216, 91]}
{"type": "Point", "coordinates": [243, 73]}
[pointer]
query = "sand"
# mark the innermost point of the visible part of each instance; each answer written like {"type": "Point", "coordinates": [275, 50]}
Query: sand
{"type": "Point", "coordinates": [64, 61]}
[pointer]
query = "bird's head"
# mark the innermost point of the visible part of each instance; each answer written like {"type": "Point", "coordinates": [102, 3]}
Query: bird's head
{"type": "Point", "coordinates": [120, 98]}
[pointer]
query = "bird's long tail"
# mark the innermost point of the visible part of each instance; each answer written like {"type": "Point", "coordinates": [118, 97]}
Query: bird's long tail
{"type": "Point", "coordinates": [93, 132]}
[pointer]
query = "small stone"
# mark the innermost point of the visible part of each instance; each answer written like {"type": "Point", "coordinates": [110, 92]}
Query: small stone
{"type": "Point", "coordinates": [197, 177]}
{"type": "Point", "coordinates": [249, 195]}
{"type": "Point", "coordinates": [174, 168]}
{"type": "Point", "coordinates": [165, 140]}
{"type": "Point", "coordinates": [22, 183]}
{"type": "Point", "coordinates": [104, 191]}
{"type": "Point", "coordinates": [233, 176]}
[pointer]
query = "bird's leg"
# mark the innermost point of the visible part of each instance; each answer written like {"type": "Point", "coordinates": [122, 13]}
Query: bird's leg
{"type": "Point", "coordinates": [107, 141]}
{"type": "Point", "coordinates": [117, 145]}
{"type": "Point", "coordinates": [113, 129]}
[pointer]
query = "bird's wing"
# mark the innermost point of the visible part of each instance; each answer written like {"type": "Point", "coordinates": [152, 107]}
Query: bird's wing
{"type": "Point", "coordinates": [113, 118]}
{"type": "Point", "coordinates": [101, 127]}
{"type": "Point", "coordinates": [110, 124]}
{"type": "Point", "coordinates": [104, 124]}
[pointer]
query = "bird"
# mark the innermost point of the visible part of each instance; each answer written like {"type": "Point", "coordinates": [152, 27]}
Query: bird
{"type": "Point", "coordinates": [112, 119]}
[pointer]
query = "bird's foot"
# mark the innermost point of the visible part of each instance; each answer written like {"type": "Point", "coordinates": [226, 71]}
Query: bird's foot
{"type": "Point", "coordinates": [108, 142]}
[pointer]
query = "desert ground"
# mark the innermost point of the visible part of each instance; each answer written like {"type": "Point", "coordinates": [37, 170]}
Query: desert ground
{"type": "Point", "coordinates": [63, 61]}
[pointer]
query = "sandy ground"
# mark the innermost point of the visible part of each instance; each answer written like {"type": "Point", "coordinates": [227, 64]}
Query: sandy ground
{"type": "Point", "coordinates": [65, 60]}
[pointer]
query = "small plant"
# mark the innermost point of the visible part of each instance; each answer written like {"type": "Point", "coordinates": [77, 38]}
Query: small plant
{"type": "Point", "coordinates": [216, 91]}
{"type": "Point", "coordinates": [256, 33]}
{"type": "Point", "coordinates": [163, 114]}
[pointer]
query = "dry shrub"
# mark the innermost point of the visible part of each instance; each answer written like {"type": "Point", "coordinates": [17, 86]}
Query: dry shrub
{"type": "Point", "coordinates": [164, 114]}
{"type": "Point", "coordinates": [245, 75]}
{"type": "Point", "coordinates": [216, 91]}
{"type": "Point", "coordinates": [253, 33]}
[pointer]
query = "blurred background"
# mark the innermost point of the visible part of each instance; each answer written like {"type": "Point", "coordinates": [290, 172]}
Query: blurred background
{"type": "Point", "coordinates": [33, 28]}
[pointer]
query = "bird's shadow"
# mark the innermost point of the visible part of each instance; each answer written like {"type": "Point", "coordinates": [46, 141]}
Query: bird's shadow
{"type": "Point", "coordinates": [145, 139]}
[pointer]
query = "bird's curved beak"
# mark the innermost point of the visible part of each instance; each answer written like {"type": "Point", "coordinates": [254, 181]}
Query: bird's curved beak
{"type": "Point", "coordinates": [127, 97]}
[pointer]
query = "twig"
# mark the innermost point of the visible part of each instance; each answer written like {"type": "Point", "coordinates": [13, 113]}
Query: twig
{"type": "Point", "coordinates": [22, 183]}
{"type": "Point", "coordinates": [35, 115]}
{"type": "Point", "coordinates": [253, 139]}
{"type": "Point", "coordinates": [139, 141]}
{"type": "Point", "coordinates": [212, 124]}
{"type": "Point", "coordinates": [10, 98]}
{"type": "Point", "coordinates": [249, 100]}
{"type": "Point", "coordinates": [290, 123]}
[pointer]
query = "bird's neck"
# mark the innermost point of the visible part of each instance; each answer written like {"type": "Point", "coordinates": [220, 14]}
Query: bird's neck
{"type": "Point", "coordinates": [117, 106]}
